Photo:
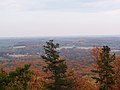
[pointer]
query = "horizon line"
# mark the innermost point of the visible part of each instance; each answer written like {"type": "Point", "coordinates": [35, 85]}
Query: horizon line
{"type": "Point", "coordinates": [60, 36]}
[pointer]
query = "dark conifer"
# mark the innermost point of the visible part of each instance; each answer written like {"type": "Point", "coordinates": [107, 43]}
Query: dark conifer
{"type": "Point", "coordinates": [57, 68]}
{"type": "Point", "coordinates": [105, 69]}
{"type": "Point", "coordinates": [16, 80]}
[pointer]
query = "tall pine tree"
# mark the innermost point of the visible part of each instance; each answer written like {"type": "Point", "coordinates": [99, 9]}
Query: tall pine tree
{"type": "Point", "coordinates": [105, 69]}
{"type": "Point", "coordinates": [57, 67]}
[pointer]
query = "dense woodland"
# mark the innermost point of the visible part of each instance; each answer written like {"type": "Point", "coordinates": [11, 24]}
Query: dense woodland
{"type": "Point", "coordinates": [53, 72]}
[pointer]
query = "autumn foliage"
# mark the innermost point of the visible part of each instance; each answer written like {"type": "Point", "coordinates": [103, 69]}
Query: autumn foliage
{"type": "Point", "coordinates": [56, 73]}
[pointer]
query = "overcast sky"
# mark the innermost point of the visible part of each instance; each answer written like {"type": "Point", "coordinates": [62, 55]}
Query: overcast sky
{"type": "Point", "coordinates": [25, 18]}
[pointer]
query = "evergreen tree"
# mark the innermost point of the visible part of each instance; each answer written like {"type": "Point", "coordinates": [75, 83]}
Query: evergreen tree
{"type": "Point", "coordinates": [16, 80]}
{"type": "Point", "coordinates": [105, 69]}
{"type": "Point", "coordinates": [57, 67]}
{"type": "Point", "coordinates": [21, 77]}
{"type": "Point", "coordinates": [4, 80]}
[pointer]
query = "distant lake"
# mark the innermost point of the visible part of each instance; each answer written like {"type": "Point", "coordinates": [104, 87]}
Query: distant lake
{"type": "Point", "coordinates": [69, 47]}
{"type": "Point", "coordinates": [19, 47]}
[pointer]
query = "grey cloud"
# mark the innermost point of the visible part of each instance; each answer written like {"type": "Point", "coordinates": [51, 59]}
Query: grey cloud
{"type": "Point", "coordinates": [67, 5]}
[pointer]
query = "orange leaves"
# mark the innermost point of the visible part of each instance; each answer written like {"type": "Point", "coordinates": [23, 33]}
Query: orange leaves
{"type": "Point", "coordinates": [37, 82]}
{"type": "Point", "coordinates": [85, 83]}
{"type": "Point", "coordinates": [96, 53]}
{"type": "Point", "coordinates": [116, 65]}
